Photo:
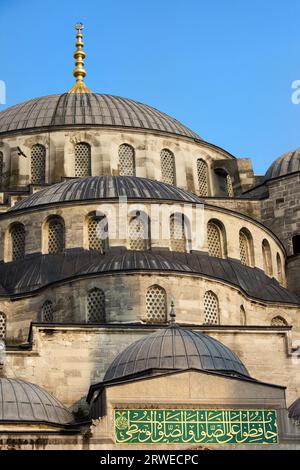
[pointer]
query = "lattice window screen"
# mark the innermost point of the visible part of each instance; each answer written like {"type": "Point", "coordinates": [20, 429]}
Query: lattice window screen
{"type": "Point", "coordinates": [18, 241]}
{"type": "Point", "coordinates": [244, 249]}
{"type": "Point", "coordinates": [56, 236]}
{"type": "Point", "coordinates": [229, 186]}
{"type": "Point", "coordinates": [156, 308]}
{"type": "Point", "coordinates": [82, 160]}
{"type": "Point", "coordinates": [138, 234]}
{"type": "Point", "coordinates": [211, 309]}
{"type": "Point", "coordinates": [167, 166]}
{"type": "Point", "coordinates": [38, 164]}
{"type": "Point", "coordinates": [202, 177]}
{"type": "Point", "coordinates": [177, 233]}
{"type": "Point", "coordinates": [214, 240]}
{"type": "Point", "coordinates": [126, 160]}
{"type": "Point", "coordinates": [97, 233]}
{"type": "Point", "coordinates": [278, 321]}
{"type": "Point", "coordinates": [47, 314]}
{"type": "Point", "coordinates": [96, 306]}
{"type": "Point", "coordinates": [2, 326]}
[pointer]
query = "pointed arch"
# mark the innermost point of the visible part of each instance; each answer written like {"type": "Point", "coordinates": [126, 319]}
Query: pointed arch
{"type": "Point", "coordinates": [82, 159]}
{"type": "Point", "coordinates": [216, 239]}
{"type": "Point", "coordinates": [126, 160]}
{"type": "Point", "coordinates": [243, 318]}
{"type": "Point", "coordinates": [179, 232]}
{"type": "Point", "coordinates": [97, 227]}
{"type": "Point", "coordinates": [17, 234]}
{"type": "Point", "coordinates": [55, 234]}
{"type": "Point", "coordinates": [280, 273]}
{"type": "Point", "coordinates": [139, 232]}
{"type": "Point", "coordinates": [246, 247]}
{"type": "Point", "coordinates": [156, 304]}
{"type": "Point", "coordinates": [278, 320]}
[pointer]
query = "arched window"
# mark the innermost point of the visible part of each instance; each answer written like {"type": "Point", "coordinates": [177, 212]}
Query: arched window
{"type": "Point", "coordinates": [267, 260]}
{"type": "Point", "coordinates": [2, 326]}
{"type": "Point", "coordinates": [215, 239]}
{"type": "Point", "coordinates": [167, 161]}
{"type": "Point", "coordinates": [139, 238]}
{"type": "Point", "coordinates": [296, 244]}
{"type": "Point", "coordinates": [126, 160]}
{"type": "Point", "coordinates": [279, 321]}
{"type": "Point", "coordinates": [47, 315]}
{"type": "Point", "coordinates": [178, 233]}
{"type": "Point", "coordinates": [229, 186]}
{"type": "Point", "coordinates": [243, 319]}
{"type": "Point", "coordinates": [82, 160]}
{"type": "Point", "coordinates": [156, 304]}
{"type": "Point", "coordinates": [202, 173]}
{"type": "Point", "coordinates": [56, 235]}
{"type": "Point", "coordinates": [246, 247]}
{"type": "Point", "coordinates": [17, 232]}
{"type": "Point", "coordinates": [38, 164]}
{"type": "Point", "coordinates": [96, 306]}
{"type": "Point", "coordinates": [211, 309]}
{"type": "Point", "coordinates": [98, 233]}
{"type": "Point", "coordinates": [279, 269]}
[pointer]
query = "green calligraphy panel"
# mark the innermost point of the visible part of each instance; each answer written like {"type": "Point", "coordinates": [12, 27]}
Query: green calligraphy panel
{"type": "Point", "coordinates": [185, 426]}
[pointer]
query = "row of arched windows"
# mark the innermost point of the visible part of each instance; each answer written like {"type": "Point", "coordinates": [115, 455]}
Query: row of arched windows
{"type": "Point", "coordinates": [140, 239]}
{"type": "Point", "coordinates": [127, 166]}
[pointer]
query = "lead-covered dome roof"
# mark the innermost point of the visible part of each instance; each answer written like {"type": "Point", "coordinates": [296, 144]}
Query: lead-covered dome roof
{"type": "Point", "coordinates": [105, 187]}
{"type": "Point", "coordinates": [284, 165]}
{"type": "Point", "coordinates": [88, 109]}
{"type": "Point", "coordinates": [22, 401]}
{"type": "Point", "coordinates": [175, 348]}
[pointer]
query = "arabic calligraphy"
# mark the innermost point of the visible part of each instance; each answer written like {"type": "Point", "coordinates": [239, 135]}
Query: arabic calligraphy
{"type": "Point", "coordinates": [185, 426]}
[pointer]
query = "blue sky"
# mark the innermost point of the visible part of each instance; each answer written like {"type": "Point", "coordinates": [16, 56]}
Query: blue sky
{"type": "Point", "coordinates": [222, 67]}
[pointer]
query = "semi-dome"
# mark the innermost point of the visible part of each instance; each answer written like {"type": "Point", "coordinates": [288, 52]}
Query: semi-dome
{"type": "Point", "coordinates": [284, 165]}
{"type": "Point", "coordinates": [88, 109]}
{"type": "Point", "coordinates": [175, 348]}
{"type": "Point", "coordinates": [294, 410]}
{"type": "Point", "coordinates": [105, 187]}
{"type": "Point", "coordinates": [22, 401]}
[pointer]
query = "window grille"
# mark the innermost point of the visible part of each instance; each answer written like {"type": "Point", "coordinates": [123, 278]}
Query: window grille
{"type": "Point", "coordinates": [167, 166]}
{"type": "Point", "coordinates": [211, 309]}
{"type": "Point", "coordinates": [244, 249]}
{"type": "Point", "coordinates": [177, 233]}
{"type": "Point", "coordinates": [229, 186]}
{"type": "Point", "coordinates": [126, 160]}
{"type": "Point", "coordinates": [56, 236]}
{"type": "Point", "coordinates": [97, 233]}
{"type": "Point", "coordinates": [96, 306]}
{"type": "Point", "coordinates": [278, 321]}
{"type": "Point", "coordinates": [138, 237]}
{"type": "Point", "coordinates": [202, 177]}
{"type": "Point", "coordinates": [2, 326]}
{"type": "Point", "coordinates": [47, 312]}
{"type": "Point", "coordinates": [82, 160]}
{"type": "Point", "coordinates": [18, 241]}
{"type": "Point", "coordinates": [156, 309]}
{"type": "Point", "coordinates": [214, 240]}
{"type": "Point", "coordinates": [38, 164]}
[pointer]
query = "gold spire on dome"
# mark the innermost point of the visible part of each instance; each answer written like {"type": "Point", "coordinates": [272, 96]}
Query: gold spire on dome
{"type": "Point", "coordinates": [79, 71]}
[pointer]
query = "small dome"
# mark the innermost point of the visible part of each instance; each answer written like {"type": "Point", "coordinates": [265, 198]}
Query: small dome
{"type": "Point", "coordinates": [89, 110]}
{"type": "Point", "coordinates": [284, 165]}
{"type": "Point", "coordinates": [105, 187]}
{"type": "Point", "coordinates": [175, 348]}
{"type": "Point", "coordinates": [25, 402]}
{"type": "Point", "coordinates": [294, 410]}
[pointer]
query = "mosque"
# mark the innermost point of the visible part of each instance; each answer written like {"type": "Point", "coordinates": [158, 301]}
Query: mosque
{"type": "Point", "coordinates": [149, 282]}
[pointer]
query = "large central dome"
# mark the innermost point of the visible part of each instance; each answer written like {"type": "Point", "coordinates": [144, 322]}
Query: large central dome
{"type": "Point", "coordinates": [88, 109]}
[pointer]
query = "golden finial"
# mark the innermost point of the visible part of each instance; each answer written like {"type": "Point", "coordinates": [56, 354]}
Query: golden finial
{"type": "Point", "coordinates": [79, 71]}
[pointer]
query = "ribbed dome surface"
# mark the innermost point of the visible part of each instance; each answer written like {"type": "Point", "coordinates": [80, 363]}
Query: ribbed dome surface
{"type": "Point", "coordinates": [284, 165]}
{"type": "Point", "coordinates": [25, 402]}
{"type": "Point", "coordinates": [88, 109]}
{"type": "Point", "coordinates": [175, 348]}
{"type": "Point", "coordinates": [105, 187]}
